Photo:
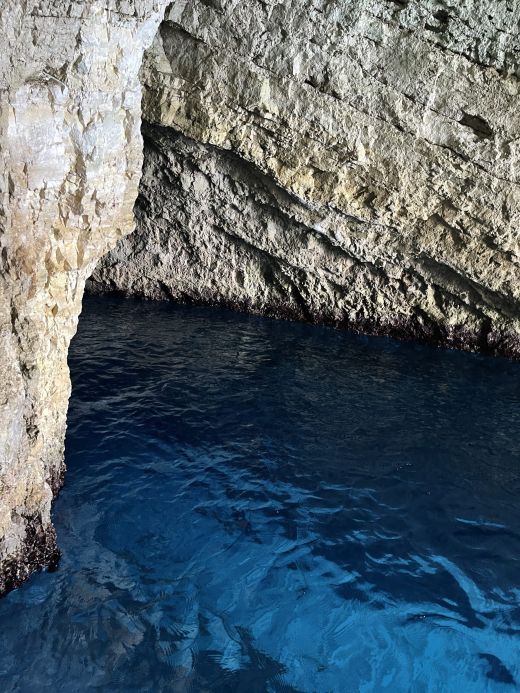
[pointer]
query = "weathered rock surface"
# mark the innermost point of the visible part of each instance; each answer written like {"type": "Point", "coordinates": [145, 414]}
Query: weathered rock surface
{"type": "Point", "coordinates": [346, 162]}
{"type": "Point", "coordinates": [353, 163]}
{"type": "Point", "coordinates": [70, 162]}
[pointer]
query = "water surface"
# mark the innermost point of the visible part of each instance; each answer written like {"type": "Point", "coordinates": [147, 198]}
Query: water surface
{"type": "Point", "coordinates": [253, 505]}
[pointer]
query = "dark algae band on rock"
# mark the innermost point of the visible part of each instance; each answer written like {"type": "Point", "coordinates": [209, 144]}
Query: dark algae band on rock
{"type": "Point", "coordinates": [38, 547]}
{"type": "Point", "coordinates": [414, 329]}
{"type": "Point", "coordinates": [38, 550]}
{"type": "Point", "coordinates": [410, 330]}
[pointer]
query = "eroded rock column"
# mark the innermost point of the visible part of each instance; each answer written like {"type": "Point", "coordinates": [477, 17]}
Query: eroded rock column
{"type": "Point", "coordinates": [70, 163]}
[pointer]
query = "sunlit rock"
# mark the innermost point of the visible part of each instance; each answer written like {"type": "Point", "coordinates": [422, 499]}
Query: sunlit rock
{"type": "Point", "coordinates": [71, 159]}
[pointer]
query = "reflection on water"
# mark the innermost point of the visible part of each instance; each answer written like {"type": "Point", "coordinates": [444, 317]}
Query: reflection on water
{"type": "Point", "coordinates": [262, 506]}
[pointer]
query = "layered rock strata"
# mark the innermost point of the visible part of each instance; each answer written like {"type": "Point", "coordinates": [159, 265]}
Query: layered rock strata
{"type": "Point", "coordinates": [348, 163]}
{"type": "Point", "coordinates": [70, 163]}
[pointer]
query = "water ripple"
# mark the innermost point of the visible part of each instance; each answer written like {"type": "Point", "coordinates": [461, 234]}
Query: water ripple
{"type": "Point", "coordinates": [262, 506]}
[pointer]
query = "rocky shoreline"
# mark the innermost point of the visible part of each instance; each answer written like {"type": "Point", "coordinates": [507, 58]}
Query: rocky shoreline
{"type": "Point", "coordinates": [353, 164]}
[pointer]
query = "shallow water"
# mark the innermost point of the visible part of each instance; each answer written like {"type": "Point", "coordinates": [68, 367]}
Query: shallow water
{"type": "Point", "coordinates": [253, 505]}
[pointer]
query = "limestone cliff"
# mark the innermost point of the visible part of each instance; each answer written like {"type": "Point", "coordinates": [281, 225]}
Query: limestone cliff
{"type": "Point", "coordinates": [355, 163]}
{"type": "Point", "coordinates": [70, 162]}
{"type": "Point", "coordinates": [345, 162]}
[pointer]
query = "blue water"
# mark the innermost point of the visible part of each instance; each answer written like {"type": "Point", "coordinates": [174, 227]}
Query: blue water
{"type": "Point", "coordinates": [253, 505]}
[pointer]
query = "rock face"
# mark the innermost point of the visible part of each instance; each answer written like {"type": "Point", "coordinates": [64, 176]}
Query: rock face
{"type": "Point", "coordinates": [70, 162]}
{"type": "Point", "coordinates": [354, 163]}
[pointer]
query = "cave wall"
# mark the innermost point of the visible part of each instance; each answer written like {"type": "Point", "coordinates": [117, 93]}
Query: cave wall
{"type": "Point", "coordinates": [70, 163]}
{"type": "Point", "coordinates": [353, 163]}
{"type": "Point", "coordinates": [345, 162]}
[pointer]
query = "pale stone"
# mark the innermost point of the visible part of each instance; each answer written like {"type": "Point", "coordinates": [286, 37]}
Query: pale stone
{"type": "Point", "coordinates": [71, 158]}
{"type": "Point", "coordinates": [374, 181]}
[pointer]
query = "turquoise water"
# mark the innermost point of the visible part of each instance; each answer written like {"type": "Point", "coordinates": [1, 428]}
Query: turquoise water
{"type": "Point", "coordinates": [253, 505]}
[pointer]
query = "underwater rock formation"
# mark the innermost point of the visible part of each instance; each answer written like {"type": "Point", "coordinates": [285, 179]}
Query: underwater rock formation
{"type": "Point", "coordinates": [346, 163]}
{"type": "Point", "coordinates": [71, 159]}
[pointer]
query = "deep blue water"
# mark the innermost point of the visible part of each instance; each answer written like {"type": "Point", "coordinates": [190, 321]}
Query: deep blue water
{"type": "Point", "coordinates": [253, 505]}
